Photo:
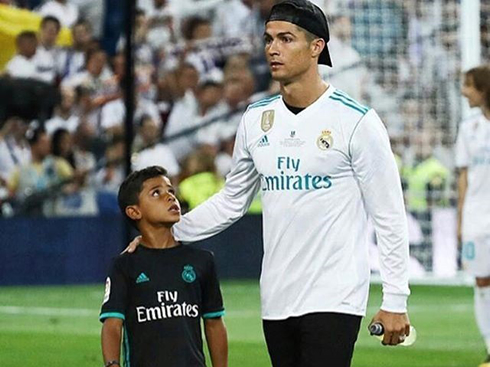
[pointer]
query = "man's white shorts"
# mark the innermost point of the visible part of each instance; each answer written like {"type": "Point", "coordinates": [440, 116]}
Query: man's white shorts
{"type": "Point", "coordinates": [476, 256]}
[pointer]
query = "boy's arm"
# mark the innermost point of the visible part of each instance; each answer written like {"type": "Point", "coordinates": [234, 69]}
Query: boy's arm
{"type": "Point", "coordinates": [217, 340]}
{"type": "Point", "coordinates": [111, 336]}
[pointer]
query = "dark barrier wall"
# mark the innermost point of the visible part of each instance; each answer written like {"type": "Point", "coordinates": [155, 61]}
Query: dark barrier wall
{"type": "Point", "coordinates": [79, 250]}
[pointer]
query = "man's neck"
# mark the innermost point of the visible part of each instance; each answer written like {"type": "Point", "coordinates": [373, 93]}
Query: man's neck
{"type": "Point", "coordinates": [304, 91]}
{"type": "Point", "coordinates": [157, 238]}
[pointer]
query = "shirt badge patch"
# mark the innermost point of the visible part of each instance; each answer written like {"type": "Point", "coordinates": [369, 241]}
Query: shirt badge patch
{"type": "Point", "coordinates": [107, 292]}
{"type": "Point", "coordinates": [189, 275]}
{"type": "Point", "coordinates": [325, 140]}
{"type": "Point", "coordinates": [267, 120]}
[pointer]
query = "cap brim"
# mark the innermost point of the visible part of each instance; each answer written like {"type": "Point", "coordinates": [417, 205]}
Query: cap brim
{"type": "Point", "coordinates": [325, 57]}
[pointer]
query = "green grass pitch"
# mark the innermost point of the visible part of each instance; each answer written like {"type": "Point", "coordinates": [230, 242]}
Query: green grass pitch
{"type": "Point", "coordinates": [58, 327]}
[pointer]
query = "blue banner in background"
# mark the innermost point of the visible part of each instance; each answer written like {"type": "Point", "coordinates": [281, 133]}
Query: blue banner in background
{"type": "Point", "coordinates": [79, 250]}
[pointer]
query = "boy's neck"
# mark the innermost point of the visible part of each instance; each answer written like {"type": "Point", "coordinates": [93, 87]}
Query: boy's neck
{"type": "Point", "coordinates": [158, 238]}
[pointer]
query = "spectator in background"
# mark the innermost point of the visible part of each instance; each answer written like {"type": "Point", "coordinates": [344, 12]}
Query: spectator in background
{"type": "Point", "coordinates": [47, 53]}
{"type": "Point", "coordinates": [151, 152]}
{"type": "Point", "coordinates": [237, 91]}
{"type": "Point", "coordinates": [65, 12]}
{"type": "Point", "coordinates": [72, 59]}
{"type": "Point", "coordinates": [113, 114]}
{"type": "Point", "coordinates": [349, 72]}
{"type": "Point", "coordinates": [64, 116]}
{"type": "Point", "coordinates": [84, 159]}
{"type": "Point", "coordinates": [62, 146]}
{"type": "Point", "coordinates": [204, 105]}
{"type": "Point", "coordinates": [14, 150]}
{"type": "Point", "coordinates": [161, 25]}
{"type": "Point", "coordinates": [98, 81]}
{"type": "Point", "coordinates": [23, 65]}
{"type": "Point", "coordinates": [43, 172]}
{"type": "Point", "coordinates": [231, 18]}
{"type": "Point", "coordinates": [110, 177]}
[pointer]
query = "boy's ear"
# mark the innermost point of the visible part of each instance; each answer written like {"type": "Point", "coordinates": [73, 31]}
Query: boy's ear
{"type": "Point", "coordinates": [133, 212]}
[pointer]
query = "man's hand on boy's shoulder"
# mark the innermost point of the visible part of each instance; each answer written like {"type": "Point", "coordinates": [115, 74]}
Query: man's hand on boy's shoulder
{"type": "Point", "coordinates": [133, 245]}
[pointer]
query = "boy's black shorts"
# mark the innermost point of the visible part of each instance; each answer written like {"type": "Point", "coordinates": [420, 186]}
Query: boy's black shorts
{"type": "Point", "coordinates": [323, 339]}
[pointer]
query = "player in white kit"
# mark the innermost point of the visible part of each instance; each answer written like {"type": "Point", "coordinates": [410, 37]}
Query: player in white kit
{"type": "Point", "coordinates": [473, 161]}
{"type": "Point", "coordinates": [323, 163]}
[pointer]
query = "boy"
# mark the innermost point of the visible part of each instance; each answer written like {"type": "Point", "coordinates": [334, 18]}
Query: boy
{"type": "Point", "coordinates": [159, 293]}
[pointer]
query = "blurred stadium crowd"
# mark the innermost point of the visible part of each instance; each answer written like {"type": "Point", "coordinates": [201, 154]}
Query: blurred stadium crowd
{"type": "Point", "coordinates": [201, 63]}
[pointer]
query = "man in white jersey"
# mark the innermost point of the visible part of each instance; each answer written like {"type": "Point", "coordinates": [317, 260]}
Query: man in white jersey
{"type": "Point", "coordinates": [473, 161]}
{"type": "Point", "coordinates": [323, 163]}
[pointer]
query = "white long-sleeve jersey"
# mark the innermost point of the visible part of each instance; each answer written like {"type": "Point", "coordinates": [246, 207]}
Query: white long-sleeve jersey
{"type": "Point", "coordinates": [320, 172]}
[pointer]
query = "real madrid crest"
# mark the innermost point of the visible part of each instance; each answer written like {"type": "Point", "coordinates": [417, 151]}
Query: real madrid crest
{"type": "Point", "coordinates": [325, 140]}
{"type": "Point", "coordinates": [267, 120]}
{"type": "Point", "coordinates": [189, 275]}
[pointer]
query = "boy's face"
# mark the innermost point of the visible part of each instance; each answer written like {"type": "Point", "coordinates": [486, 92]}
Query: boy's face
{"type": "Point", "coordinates": [157, 203]}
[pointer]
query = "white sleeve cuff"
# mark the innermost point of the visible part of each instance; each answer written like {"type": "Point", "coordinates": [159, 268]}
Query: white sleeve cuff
{"type": "Point", "coordinates": [396, 303]}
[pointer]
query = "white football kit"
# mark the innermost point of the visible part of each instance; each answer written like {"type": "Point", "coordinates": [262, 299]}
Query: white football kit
{"type": "Point", "coordinates": [320, 173]}
{"type": "Point", "coordinates": [473, 153]}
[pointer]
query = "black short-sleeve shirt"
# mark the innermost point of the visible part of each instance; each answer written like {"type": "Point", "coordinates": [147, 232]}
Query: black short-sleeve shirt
{"type": "Point", "coordinates": [162, 294]}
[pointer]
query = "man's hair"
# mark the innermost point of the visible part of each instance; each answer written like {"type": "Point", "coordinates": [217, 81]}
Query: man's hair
{"type": "Point", "coordinates": [50, 18]}
{"type": "Point", "coordinates": [309, 36]}
{"type": "Point", "coordinates": [480, 76]}
{"type": "Point", "coordinates": [132, 186]}
{"type": "Point", "coordinates": [82, 23]}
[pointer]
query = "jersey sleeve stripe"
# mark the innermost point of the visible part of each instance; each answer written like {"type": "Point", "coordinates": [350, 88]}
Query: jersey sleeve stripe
{"type": "Point", "coordinates": [363, 112]}
{"type": "Point", "coordinates": [350, 100]}
{"type": "Point", "coordinates": [213, 315]}
{"type": "Point", "coordinates": [115, 315]}
{"type": "Point", "coordinates": [345, 96]}
{"type": "Point", "coordinates": [264, 102]}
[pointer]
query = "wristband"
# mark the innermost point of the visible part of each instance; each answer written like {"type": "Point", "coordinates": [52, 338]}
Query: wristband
{"type": "Point", "coordinates": [112, 363]}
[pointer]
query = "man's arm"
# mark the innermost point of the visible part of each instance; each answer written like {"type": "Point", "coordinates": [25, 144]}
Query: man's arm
{"type": "Point", "coordinates": [217, 340]}
{"type": "Point", "coordinates": [375, 168]}
{"type": "Point", "coordinates": [462, 187]}
{"type": "Point", "coordinates": [111, 336]}
{"type": "Point", "coordinates": [227, 206]}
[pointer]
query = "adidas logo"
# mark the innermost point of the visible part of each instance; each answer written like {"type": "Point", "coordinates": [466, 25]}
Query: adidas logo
{"type": "Point", "coordinates": [264, 142]}
{"type": "Point", "coordinates": [142, 278]}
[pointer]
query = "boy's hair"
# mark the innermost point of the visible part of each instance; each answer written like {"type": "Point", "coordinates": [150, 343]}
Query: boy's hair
{"type": "Point", "coordinates": [132, 185]}
{"type": "Point", "coordinates": [480, 76]}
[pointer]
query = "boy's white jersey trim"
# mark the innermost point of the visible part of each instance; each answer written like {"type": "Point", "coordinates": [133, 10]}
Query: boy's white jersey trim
{"type": "Point", "coordinates": [320, 172]}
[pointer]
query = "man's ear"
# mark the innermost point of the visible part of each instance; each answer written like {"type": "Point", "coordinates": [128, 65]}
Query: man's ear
{"type": "Point", "coordinates": [317, 46]}
{"type": "Point", "coordinates": [133, 212]}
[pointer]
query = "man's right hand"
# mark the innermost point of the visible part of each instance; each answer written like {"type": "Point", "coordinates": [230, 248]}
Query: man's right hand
{"type": "Point", "coordinates": [132, 246]}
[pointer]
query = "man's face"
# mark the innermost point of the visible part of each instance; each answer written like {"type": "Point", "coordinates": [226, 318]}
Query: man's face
{"type": "Point", "coordinates": [157, 202]}
{"type": "Point", "coordinates": [43, 146]}
{"type": "Point", "coordinates": [49, 33]}
{"type": "Point", "coordinates": [81, 35]}
{"type": "Point", "coordinates": [97, 63]}
{"type": "Point", "coordinates": [287, 50]}
{"type": "Point", "coordinates": [474, 96]}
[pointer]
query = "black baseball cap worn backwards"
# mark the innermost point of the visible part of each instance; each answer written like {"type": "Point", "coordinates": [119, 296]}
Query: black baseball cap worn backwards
{"type": "Point", "coordinates": [306, 15]}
